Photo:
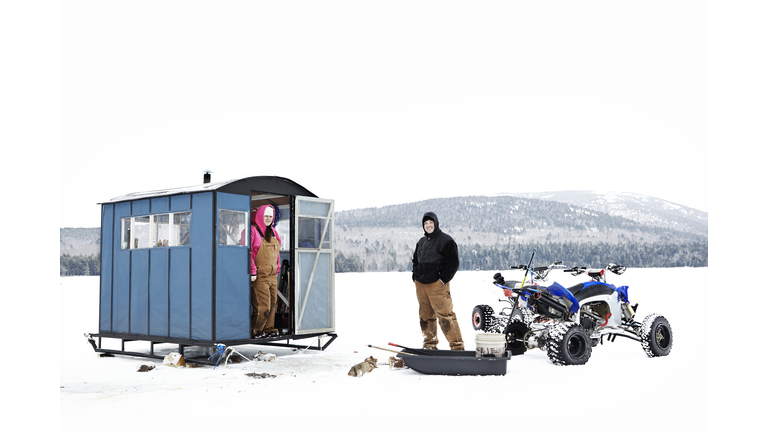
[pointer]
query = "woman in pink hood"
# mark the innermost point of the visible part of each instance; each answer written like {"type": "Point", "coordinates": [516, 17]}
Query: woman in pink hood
{"type": "Point", "coordinates": [265, 266]}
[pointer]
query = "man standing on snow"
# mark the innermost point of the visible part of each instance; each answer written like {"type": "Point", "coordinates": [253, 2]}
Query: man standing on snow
{"type": "Point", "coordinates": [435, 262]}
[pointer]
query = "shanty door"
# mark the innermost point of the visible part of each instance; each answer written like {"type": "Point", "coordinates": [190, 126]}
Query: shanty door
{"type": "Point", "coordinates": [232, 309]}
{"type": "Point", "coordinates": [314, 270]}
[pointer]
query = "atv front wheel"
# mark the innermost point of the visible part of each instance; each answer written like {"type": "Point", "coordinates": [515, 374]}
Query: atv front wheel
{"type": "Point", "coordinates": [483, 319]}
{"type": "Point", "coordinates": [569, 344]}
{"type": "Point", "coordinates": [523, 315]}
{"type": "Point", "coordinates": [656, 336]}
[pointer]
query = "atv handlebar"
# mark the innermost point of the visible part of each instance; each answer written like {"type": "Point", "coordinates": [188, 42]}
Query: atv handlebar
{"type": "Point", "coordinates": [616, 269]}
{"type": "Point", "coordinates": [613, 268]}
{"type": "Point", "coordinates": [538, 273]}
{"type": "Point", "coordinates": [537, 269]}
{"type": "Point", "coordinates": [575, 271]}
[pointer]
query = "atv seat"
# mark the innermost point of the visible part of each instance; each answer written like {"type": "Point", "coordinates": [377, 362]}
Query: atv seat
{"type": "Point", "coordinates": [576, 288]}
{"type": "Point", "coordinates": [585, 290]}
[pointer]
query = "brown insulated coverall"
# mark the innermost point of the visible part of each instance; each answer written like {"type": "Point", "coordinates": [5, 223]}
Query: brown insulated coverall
{"type": "Point", "coordinates": [264, 289]}
{"type": "Point", "coordinates": [435, 262]}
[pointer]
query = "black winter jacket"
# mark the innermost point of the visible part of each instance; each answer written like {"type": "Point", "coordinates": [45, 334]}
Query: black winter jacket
{"type": "Point", "coordinates": [436, 256]}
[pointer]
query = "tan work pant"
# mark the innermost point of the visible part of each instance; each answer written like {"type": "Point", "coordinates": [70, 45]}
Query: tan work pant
{"type": "Point", "coordinates": [264, 290]}
{"type": "Point", "coordinates": [435, 304]}
{"type": "Point", "coordinates": [263, 300]}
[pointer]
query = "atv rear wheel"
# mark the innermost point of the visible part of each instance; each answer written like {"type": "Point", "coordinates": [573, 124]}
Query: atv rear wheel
{"type": "Point", "coordinates": [483, 319]}
{"type": "Point", "coordinates": [656, 336]}
{"type": "Point", "coordinates": [569, 344]}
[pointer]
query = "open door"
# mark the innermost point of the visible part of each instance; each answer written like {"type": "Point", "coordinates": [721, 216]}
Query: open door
{"type": "Point", "coordinates": [314, 269]}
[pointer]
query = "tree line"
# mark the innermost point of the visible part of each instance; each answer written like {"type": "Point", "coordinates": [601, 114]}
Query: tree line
{"type": "Point", "coordinates": [479, 257]}
{"type": "Point", "coordinates": [80, 265]}
{"type": "Point", "coordinates": [572, 254]}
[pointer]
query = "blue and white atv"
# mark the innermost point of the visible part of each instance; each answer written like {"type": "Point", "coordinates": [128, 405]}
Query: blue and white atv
{"type": "Point", "coordinates": [567, 322]}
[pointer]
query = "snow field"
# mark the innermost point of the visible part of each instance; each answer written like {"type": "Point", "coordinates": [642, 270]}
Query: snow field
{"type": "Point", "coordinates": [619, 385]}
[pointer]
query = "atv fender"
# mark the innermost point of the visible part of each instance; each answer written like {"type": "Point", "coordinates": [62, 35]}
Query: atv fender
{"type": "Point", "coordinates": [558, 290]}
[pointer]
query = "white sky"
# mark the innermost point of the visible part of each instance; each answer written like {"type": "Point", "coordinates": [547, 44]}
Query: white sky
{"type": "Point", "coordinates": [383, 103]}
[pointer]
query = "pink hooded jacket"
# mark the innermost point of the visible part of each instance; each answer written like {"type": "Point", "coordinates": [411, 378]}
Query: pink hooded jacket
{"type": "Point", "coordinates": [257, 219]}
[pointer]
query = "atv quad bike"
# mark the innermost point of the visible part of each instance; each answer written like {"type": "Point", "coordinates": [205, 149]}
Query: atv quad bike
{"type": "Point", "coordinates": [568, 322]}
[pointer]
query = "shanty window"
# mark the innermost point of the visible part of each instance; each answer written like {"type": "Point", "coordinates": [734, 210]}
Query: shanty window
{"type": "Point", "coordinates": [314, 230]}
{"type": "Point", "coordinates": [162, 230]}
{"type": "Point", "coordinates": [232, 228]}
{"type": "Point", "coordinates": [180, 229]}
{"type": "Point", "coordinates": [314, 233]}
{"type": "Point", "coordinates": [136, 232]}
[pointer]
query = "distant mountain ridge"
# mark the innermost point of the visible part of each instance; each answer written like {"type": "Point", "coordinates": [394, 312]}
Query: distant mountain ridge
{"type": "Point", "coordinates": [640, 208]}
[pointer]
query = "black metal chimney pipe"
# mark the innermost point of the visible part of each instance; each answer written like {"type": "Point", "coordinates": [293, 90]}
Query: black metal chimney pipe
{"type": "Point", "coordinates": [207, 177]}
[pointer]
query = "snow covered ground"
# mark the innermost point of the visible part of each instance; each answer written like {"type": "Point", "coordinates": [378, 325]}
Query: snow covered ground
{"type": "Point", "coordinates": [620, 388]}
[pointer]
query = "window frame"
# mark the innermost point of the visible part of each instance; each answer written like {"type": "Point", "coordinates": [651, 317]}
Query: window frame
{"type": "Point", "coordinates": [134, 241]}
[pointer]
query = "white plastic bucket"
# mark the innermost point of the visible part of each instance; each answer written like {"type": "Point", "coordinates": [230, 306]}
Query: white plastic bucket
{"type": "Point", "coordinates": [489, 345]}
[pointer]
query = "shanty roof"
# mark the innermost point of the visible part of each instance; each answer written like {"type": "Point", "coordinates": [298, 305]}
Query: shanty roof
{"type": "Point", "coordinates": [244, 186]}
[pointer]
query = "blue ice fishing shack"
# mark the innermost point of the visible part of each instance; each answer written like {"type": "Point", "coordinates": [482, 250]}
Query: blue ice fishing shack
{"type": "Point", "coordinates": [174, 266]}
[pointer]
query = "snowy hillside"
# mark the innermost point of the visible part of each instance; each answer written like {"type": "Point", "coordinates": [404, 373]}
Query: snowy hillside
{"type": "Point", "coordinates": [79, 241]}
{"type": "Point", "coordinates": [619, 386]}
{"type": "Point", "coordinates": [644, 209]}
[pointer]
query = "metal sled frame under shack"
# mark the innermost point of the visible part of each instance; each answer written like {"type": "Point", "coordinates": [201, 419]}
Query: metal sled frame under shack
{"type": "Point", "coordinates": [206, 348]}
{"type": "Point", "coordinates": [175, 267]}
